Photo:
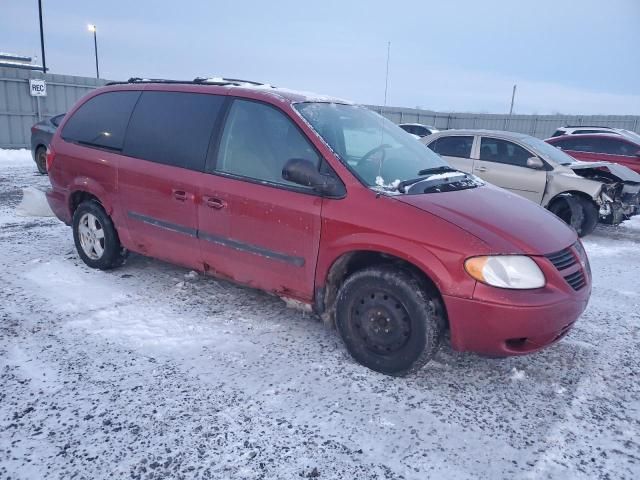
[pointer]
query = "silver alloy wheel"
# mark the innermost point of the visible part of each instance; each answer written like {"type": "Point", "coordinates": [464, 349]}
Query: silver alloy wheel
{"type": "Point", "coordinates": [91, 236]}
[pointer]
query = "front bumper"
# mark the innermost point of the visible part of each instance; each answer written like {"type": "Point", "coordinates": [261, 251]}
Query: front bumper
{"type": "Point", "coordinates": [494, 329]}
{"type": "Point", "coordinates": [516, 322]}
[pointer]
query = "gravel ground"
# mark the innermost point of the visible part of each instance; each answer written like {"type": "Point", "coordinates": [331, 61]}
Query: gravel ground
{"type": "Point", "coordinates": [152, 371]}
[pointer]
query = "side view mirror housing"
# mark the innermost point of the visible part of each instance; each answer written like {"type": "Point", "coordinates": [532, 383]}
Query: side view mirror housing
{"type": "Point", "coordinates": [304, 172]}
{"type": "Point", "coordinates": [535, 162]}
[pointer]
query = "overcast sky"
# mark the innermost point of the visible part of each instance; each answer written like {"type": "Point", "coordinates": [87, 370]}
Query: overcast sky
{"type": "Point", "coordinates": [565, 56]}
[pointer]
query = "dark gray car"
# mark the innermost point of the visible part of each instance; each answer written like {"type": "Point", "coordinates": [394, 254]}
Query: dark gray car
{"type": "Point", "coordinates": [41, 134]}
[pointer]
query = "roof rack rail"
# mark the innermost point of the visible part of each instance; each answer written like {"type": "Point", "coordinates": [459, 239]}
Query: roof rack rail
{"type": "Point", "coordinates": [197, 80]}
{"type": "Point", "coordinates": [226, 81]}
{"type": "Point", "coordinates": [588, 126]}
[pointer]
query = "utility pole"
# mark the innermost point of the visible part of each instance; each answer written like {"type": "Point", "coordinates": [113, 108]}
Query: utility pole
{"type": "Point", "coordinates": [386, 81]}
{"type": "Point", "coordinates": [44, 60]}
{"type": "Point", "coordinates": [513, 97]}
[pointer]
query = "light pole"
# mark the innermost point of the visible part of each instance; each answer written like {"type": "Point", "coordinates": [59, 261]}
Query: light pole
{"type": "Point", "coordinates": [44, 60]}
{"type": "Point", "coordinates": [92, 28]}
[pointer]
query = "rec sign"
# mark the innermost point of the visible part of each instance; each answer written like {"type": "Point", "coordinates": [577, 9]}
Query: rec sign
{"type": "Point", "coordinates": [37, 88]}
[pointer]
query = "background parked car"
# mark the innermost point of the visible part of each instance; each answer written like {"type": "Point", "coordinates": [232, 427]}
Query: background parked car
{"type": "Point", "coordinates": [41, 134]}
{"type": "Point", "coordinates": [587, 130]}
{"type": "Point", "coordinates": [579, 193]}
{"type": "Point", "coordinates": [601, 147]}
{"type": "Point", "coordinates": [418, 129]}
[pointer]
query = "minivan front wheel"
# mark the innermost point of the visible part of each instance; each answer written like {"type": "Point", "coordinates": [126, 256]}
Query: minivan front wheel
{"type": "Point", "coordinates": [388, 321]}
{"type": "Point", "coordinates": [96, 238]}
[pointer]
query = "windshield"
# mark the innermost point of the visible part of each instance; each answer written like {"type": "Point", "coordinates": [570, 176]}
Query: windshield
{"type": "Point", "coordinates": [553, 153]}
{"type": "Point", "coordinates": [377, 150]}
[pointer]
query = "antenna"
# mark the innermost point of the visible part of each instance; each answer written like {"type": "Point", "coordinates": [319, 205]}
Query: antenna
{"type": "Point", "coordinates": [386, 80]}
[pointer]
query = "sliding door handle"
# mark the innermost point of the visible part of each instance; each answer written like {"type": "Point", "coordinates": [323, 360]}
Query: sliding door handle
{"type": "Point", "coordinates": [215, 203]}
{"type": "Point", "coordinates": [180, 195]}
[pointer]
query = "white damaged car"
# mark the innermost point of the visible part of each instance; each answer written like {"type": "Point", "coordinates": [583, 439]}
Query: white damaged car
{"type": "Point", "coordinates": [580, 193]}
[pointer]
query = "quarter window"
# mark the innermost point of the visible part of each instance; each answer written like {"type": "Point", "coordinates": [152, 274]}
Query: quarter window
{"type": "Point", "coordinates": [503, 151]}
{"type": "Point", "coordinates": [102, 120]}
{"type": "Point", "coordinates": [173, 128]}
{"type": "Point", "coordinates": [456, 146]}
{"type": "Point", "coordinates": [257, 142]}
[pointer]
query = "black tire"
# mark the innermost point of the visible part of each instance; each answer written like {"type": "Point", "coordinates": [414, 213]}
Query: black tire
{"type": "Point", "coordinates": [590, 216]}
{"type": "Point", "coordinates": [41, 160]}
{"type": "Point", "coordinates": [404, 320]}
{"type": "Point", "coordinates": [111, 254]}
{"type": "Point", "coordinates": [568, 209]}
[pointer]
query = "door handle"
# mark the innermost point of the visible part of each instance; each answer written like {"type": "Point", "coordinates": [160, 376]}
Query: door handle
{"type": "Point", "coordinates": [215, 203]}
{"type": "Point", "coordinates": [180, 195]}
{"type": "Point", "coordinates": [481, 169]}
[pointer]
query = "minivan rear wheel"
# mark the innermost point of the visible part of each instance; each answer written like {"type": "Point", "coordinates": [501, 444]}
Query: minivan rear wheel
{"type": "Point", "coordinates": [388, 321]}
{"type": "Point", "coordinates": [96, 238]}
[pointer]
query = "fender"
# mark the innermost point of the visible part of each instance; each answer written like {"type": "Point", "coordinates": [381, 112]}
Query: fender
{"type": "Point", "coordinates": [86, 184]}
{"type": "Point", "coordinates": [449, 281]}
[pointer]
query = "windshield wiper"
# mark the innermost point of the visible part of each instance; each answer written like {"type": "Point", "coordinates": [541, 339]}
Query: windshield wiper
{"type": "Point", "coordinates": [402, 186]}
{"type": "Point", "coordinates": [440, 169]}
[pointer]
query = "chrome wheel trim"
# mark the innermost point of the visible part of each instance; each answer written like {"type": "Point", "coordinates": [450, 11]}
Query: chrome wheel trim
{"type": "Point", "coordinates": [91, 235]}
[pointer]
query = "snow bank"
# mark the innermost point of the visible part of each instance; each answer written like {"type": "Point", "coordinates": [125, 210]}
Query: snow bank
{"type": "Point", "coordinates": [33, 204]}
{"type": "Point", "coordinates": [14, 158]}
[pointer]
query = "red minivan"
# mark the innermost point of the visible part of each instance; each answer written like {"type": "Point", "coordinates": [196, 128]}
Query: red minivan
{"type": "Point", "coordinates": [321, 201]}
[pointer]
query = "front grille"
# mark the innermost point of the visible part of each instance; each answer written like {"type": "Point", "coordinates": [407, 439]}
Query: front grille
{"type": "Point", "coordinates": [576, 280]}
{"type": "Point", "coordinates": [562, 259]}
{"type": "Point", "coordinates": [566, 259]}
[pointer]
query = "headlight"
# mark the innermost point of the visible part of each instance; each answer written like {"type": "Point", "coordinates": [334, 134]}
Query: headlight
{"type": "Point", "coordinates": [506, 271]}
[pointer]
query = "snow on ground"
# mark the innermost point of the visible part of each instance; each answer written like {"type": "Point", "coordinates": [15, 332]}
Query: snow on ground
{"type": "Point", "coordinates": [152, 371]}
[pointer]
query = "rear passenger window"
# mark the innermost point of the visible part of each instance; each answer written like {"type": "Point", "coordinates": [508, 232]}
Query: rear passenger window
{"type": "Point", "coordinates": [102, 120]}
{"type": "Point", "coordinates": [258, 140]}
{"type": "Point", "coordinates": [503, 151]}
{"type": "Point", "coordinates": [173, 128]}
{"type": "Point", "coordinates": [456, 146]}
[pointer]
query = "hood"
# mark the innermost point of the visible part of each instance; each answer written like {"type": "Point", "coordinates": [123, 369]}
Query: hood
{"type": "Point", "coordinates": [506, 222]}
{"type": "Point", "coordinates": [625, 174]}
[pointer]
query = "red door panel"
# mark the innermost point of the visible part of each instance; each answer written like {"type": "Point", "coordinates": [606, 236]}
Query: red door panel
{"type": "Point", "coordinates": [262, 236]}
{"type": "Point", "coordinates": [158, 202]}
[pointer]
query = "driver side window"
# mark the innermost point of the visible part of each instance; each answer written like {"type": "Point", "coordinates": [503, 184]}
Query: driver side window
{"type": "Point", "coordinates": [258, 140]}
{"type": "Point", "coordinates": [503, 151]}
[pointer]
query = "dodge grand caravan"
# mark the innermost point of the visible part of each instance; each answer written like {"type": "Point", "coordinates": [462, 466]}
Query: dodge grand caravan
{"type": "Point", "coordinates": [321, 201]}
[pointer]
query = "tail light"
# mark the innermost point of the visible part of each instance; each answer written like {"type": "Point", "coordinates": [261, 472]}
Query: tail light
{"type": "Point", "coordinates": [51, 155]}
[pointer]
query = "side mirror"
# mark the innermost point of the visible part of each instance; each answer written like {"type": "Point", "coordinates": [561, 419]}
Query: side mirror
{"type": "Point", "coordinates": [637, 154]}
{"type": "Point", "coordinates": [535, 162]}
{"type": "Point", "coordinates": [303, 172]}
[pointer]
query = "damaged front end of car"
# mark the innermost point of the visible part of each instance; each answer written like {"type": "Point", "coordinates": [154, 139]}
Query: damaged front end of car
{"type": "Point", "coordinates": [619, 197]}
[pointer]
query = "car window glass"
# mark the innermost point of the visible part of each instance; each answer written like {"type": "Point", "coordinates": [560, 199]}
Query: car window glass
{"type": "Point", "coordinates": [173, 128]}
{"type": "Point", "coordinates": [258, 140]}
{"type": "Point", "coordinates": [57, 119]}
{"type": "Point", "coordinates": [575, 143]}
{"type": "Point", "coordinates": [614, 147]}
{"type": "Point", "coordinates": [102, 120]}
{"type": "Point", "coordinates": [586, 132]}
{"type": "Point", "coordinates": [503, 151]}
{"type": "Point", "coordinates": [455, 146]}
